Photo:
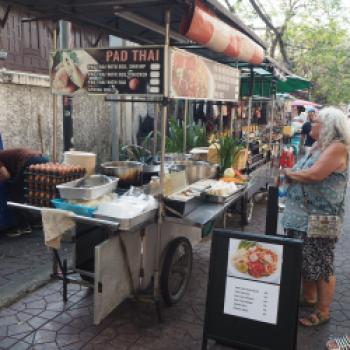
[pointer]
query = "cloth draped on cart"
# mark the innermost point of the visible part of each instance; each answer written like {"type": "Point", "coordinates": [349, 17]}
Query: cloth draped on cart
{"type": "Point", "coordinates": [55, 224]}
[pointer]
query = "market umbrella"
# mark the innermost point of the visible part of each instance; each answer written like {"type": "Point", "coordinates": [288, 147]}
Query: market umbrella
{"type": "Point", "coordinates": [305, 103]}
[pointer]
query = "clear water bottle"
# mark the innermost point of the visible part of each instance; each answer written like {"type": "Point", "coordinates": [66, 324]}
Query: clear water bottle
{"type": "Point", "coordinates": [282, 191]}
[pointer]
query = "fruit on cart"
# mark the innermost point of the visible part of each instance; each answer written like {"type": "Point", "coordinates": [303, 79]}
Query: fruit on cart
{"type": "Point", "coordinates": [239, 175]}
{"type": "Point", "coordinates": [229, 172]}
{"type": "Point", "coordinates": [234, 176]}
{"type": "Point", "coordinates": [233, 180]}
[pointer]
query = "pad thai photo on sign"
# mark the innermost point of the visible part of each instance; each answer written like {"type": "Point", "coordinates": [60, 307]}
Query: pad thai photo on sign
{"type": "Point", "coordinates": [69, 71]}
{"type": "Point", "coordinates": [255, 261]}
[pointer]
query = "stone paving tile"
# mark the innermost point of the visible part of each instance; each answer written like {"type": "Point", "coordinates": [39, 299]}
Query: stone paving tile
{"type": "Point", "coordinates": [24, 258]}
{"type": "Point", "coordinates": [42, 321]}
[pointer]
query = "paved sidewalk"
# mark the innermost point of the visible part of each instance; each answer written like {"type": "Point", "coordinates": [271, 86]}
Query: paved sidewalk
{"type": "Point", "coordinates": [42, 321]}
{"type": "Point", "coordinates": [25, 264]}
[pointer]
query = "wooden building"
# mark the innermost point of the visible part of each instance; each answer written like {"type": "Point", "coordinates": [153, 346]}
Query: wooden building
{"type": "Point", "coordinates": [28, 43]}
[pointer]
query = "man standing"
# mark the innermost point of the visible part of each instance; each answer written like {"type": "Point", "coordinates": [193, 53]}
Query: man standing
{"type": "Point", "coordinates": [307, 141]}
{"type": "Point", "coordinates": [13, 163]}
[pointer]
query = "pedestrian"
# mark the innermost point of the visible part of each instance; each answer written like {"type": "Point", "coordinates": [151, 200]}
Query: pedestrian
{"type": "Point", "coordinates": [317, 185]}
{"type": "Point", "coordinates": [13, 162]}
{"type": "Point", "coordinates": [306, 140]}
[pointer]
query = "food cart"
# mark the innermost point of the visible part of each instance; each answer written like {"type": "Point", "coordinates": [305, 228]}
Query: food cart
{"type": "Point", "coordinates": [119, 258]}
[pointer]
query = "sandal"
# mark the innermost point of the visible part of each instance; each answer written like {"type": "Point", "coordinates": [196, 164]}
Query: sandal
{"type": "Point", "coordinates": [306, 303]}
{"type": "Point", "coordinates": [339, 343]}
{"type": "Point", "coordinates": [314, 319]}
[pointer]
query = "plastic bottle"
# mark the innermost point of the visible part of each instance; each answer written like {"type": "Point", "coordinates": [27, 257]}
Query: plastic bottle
{"type": "Point", "coordinates": [154, 185]}
{"type": "Point", "coordinates": [283, 158]}
{"type": "Point", "coordinates": [282, 190]}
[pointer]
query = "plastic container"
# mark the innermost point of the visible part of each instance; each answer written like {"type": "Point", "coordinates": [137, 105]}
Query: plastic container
{"type": "Point", "coordinates": [69, 190]}
{"type": "Point", "coordinates": [75, 208]}
{"type": "Point", "coordinates": [84, 159]}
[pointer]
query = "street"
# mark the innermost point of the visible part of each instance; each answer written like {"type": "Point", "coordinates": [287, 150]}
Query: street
{"type": "Point", "coordinates": [41, 320]}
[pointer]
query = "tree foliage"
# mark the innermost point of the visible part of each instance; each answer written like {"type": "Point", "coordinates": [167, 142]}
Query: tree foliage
{"type": "Point", "coordinates": [311, 37]}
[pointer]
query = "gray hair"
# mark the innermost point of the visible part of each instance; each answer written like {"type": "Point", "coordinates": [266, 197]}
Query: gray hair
{"type": "Point", "coordinates": [335, 127]}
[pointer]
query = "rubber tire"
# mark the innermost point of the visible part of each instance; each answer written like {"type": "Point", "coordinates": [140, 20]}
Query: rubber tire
{"type": "Point", "coordinates": [247, 211]}
{"type": "Point", "coordinates": [168, 298]}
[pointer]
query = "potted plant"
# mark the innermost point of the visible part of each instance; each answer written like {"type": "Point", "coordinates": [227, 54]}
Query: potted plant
{"type": "Point", "coordinates": [228, 149]}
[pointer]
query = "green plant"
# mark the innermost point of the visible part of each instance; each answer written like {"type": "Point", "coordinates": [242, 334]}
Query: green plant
{"type": "Point", "coordinates": [228, 149]}
{"type": "Point", "coordinates": [174, 140]}
{"type": "Point", "coordinates": [137, 153]}
{"type": "Point", "coordinates": [197, 136]}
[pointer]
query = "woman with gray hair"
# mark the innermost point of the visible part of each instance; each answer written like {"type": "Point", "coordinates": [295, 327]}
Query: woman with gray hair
{"type": "Point", "coordinates": [317, 184]}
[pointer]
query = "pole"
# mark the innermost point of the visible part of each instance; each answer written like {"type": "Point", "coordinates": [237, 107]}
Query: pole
{"type": "Point", "coordinates": [233, 117]}
{"type": "Point", "coordinates": [54, 107]}
{"type": "Point", "coordinates": [65, 42]}
{"type": "Point", "coordinates": [155, 128]}
{"type": "Point", "coordinates": [115, 132]}
{"type": "Point", "coordinates": [185, 126]}
{"type": "Point", "coordinates": [250, 102]}
{"type": "Point", "coordinates": [162, 157]}
{"type": "Point", "coordinates": [221, 120]}
{"type": "Point", "coordinates": [273, 102]}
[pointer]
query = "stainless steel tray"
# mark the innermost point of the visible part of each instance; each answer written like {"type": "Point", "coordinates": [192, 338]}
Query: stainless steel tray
{"type": "Point", "coordinates": [69, 190]}
{"type": "Point", "coordinates": [223, 199]}
{"type": "Point", "coordinates": [129, 224]}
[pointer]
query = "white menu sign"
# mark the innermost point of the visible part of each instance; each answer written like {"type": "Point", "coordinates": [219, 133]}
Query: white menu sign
{"type": "Point", "coordinates": [253, 280]}
{"type": "Point", "coordinates": [253, 300]}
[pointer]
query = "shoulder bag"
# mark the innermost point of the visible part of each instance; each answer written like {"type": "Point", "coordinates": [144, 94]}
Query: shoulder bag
{"type": "Point", "coordinates": [322, 225]}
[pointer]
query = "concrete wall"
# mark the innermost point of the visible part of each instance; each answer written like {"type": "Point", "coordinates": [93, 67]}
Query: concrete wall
{"type": "Point", "coordinates": [26, 99]}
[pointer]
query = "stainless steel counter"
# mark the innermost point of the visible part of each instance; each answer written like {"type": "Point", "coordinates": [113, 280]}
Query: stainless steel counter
{"type": "Point", "coordinates": [83, 219]}
{"type": "Point", "coordinates": [206, 212]}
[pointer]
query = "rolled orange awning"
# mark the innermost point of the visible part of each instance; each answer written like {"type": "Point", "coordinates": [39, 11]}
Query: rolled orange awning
{"type": "Point", "coordinates": [203, 27]}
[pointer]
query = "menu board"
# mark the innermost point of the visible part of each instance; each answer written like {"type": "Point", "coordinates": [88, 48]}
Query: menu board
{"type": "Point", "coordinates": [253, 291]}
{"type": "Point", "coordinates": [195, 77]}
{"type": "Point", "coordinates": [253, 280]}
{"type": "Point", "coordinates": [133, 71]}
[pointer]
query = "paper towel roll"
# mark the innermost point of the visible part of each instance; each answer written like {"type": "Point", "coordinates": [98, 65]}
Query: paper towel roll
{"type": "Point", "coordinates": [85, 159]}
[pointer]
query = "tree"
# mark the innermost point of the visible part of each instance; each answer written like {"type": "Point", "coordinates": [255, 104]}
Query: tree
{"type": "Point", "coordinates": [309, 37]}
{"type": "Point", "coordinates": [321, 53]}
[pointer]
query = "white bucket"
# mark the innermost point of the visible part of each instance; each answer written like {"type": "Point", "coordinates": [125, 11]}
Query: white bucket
{"type": "Point", "coordinates": [84, 159]}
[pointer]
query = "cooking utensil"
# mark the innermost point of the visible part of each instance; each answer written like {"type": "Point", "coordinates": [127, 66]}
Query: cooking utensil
{"type": "Point", "coordinates": [93, 181]}
{"type": "Point", "coordinates": [99, 186]}
{"type": "Point", "coordinates": [149, 171]}
{"type": "Point", "coordinates": [195, 170]}
{"type": "Point", "coordinates": [128, 172]}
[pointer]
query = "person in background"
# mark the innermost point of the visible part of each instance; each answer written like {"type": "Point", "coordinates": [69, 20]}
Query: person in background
{"type": "Point", "coordinates": [13, 163]}
{"type": "Point", "coordinates": [307, 141]}
{"type": "Point", "coordinates": [321, 178]}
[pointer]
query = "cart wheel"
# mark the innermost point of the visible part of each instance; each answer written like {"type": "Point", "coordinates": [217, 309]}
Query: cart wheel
{"type": "Point", "coordinates": [176, 271]}
{"type": "Point", "coordinates": [247, 211]}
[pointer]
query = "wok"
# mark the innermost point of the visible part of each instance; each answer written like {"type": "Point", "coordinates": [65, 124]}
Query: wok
{"type": "Point", "coordinates": [128, 172]}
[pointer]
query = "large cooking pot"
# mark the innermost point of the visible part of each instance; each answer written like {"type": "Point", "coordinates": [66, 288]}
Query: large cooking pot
{"type": "Point", "coordinates": [128, 172]}
{"type": "Point", "coordinates": [195, 170]}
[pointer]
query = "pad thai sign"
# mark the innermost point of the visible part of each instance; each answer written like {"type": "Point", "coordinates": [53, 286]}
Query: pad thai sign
{"type": "Point", "coordinates": [195, 77]}
{"type": "Point", "coordinates": [131, 71]}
